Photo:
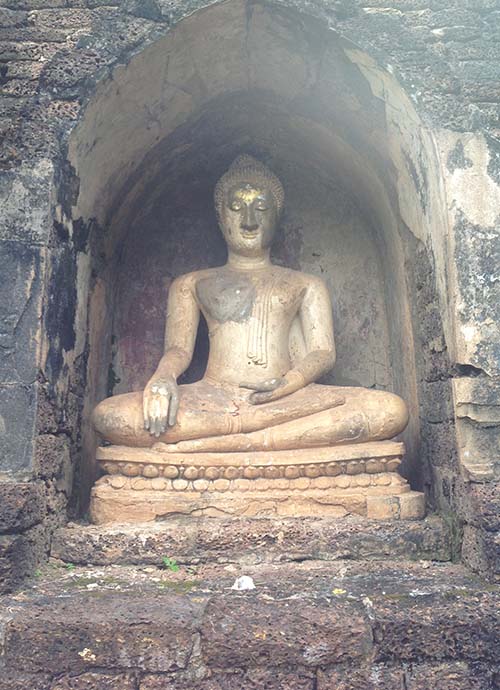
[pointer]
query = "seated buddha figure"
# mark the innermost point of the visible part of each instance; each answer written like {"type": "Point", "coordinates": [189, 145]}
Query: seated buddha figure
{"type": "Point", "coordinates": [271, 338]}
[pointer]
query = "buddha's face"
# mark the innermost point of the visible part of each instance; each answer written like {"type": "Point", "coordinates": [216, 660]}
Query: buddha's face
{"type": "Point", "coordinates": [248, 219]}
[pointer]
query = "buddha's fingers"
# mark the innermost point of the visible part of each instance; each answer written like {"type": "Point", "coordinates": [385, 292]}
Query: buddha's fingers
{"type": "Point", "coordinates": [163, 404]}
{"type": "Point", "coordinates": [145, 410]}
{"type": "Point", "coordinates": [259, 397]}
{"type": "Point", "coordinates": [250, 386]}
{"type": "Point", "coordinates": [173, 408]}
{"type": "Point", "coordinates": [157, 414]}
{"type": "Point", "coordinates": [152, 416]}
{"type": "Point", "coordinates": [166, 406]}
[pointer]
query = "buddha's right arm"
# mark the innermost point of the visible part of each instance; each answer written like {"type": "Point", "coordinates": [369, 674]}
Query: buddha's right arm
{"type": "Point", "coordinates": [161, 396]}
{"type": "Point", "coordinates": [181, 326]}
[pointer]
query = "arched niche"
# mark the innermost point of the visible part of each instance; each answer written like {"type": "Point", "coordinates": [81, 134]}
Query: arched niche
{"type": "Point", "coordinates": [359, 169]}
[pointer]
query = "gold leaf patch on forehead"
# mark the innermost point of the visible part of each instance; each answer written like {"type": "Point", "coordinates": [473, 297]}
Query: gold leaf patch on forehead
{"type": "Point", "coordinates": [248, 194]}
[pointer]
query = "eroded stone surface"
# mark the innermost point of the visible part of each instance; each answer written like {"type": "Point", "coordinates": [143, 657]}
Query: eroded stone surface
{"type": "Point", "coordinates": [349, 626]}
{"type": "Point", "coordinates": [281, 633]}
{"type": "Point", "coordinates": [477, 405]}
{"type": "Point", "coordinates": [23, 505]}
{"type": "Point", "coordinates": [151, 634]}
{"type": "Point", "coordinates": [445, 676]}
{"type": "Point", "coordinates": [377, 677]}
{"type": "Point", "coordinates": [96, 681]}
{"type": "Point", "coordinates": [21, 293]}
{"type": "Point", "coordinates": [253, 679]}
{"type": "Point", "coordinates": [252, 541]}
{"type": "Point", "coordinates": [17, 413]}
{"type": "Point", "coordinates": [451, 676]}
{"type": "Point", "coordinates": [20, 554]}
{"type": "Point", "coordinates": [14, 680]}
{"type": "Point", "coordinates": [69, 681]}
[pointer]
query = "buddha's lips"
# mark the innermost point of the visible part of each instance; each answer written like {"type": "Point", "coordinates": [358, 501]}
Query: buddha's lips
{"type": "Point", "coordinates": [249, 234]}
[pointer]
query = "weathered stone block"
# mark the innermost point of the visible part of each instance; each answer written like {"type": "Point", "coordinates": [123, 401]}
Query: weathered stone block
{"type": "Point", "coordinates": [411, 506]}
{"type": "Point", "coordinates": [253, 540]}
{"type": "Point", "coordinates": [449, 676]}
{"type": "Point", "coordinates": [476, 257]}
{"type": "Point", "coordinates": [25, 201]}
{"type": "Point", "coordinates": [229, 679]}
{"type": "Point", "coordinates": [36, 4]}
{"type": "Point", "coordinates": [84, 681]}
{"type": "Point", "coordinates": [95, 681]}
{"type": "Point", "coordinates": [12, 18]}
{"type": "Point", "coordinates": [477, 409]}
{"type": "Point", "coordinates": [485, 506]}
{"type": "Point", "coordinates": [21, 505]}
{"type": "Point", "coordinates": [52, 459]}
{"type": "Point", "coordinates": [77, 624]}
{"type": "Point", "coordinates": [439, 443]}
{"type": "Point", "coordinates": [66, 74]}
{"type": "Point", "coordinates": [382, 507]}
{"type": "Point", "coordinates": [481, 551]}
{"type": "Point", "coordinates": [437, 404]}
{"type": "Point", "coordinates": [277, 633]}
{"type": "Point", "coordinates": [466, 628]}
{"type": "Point", "coordinates": [19, 681]}
{"type": "Point", "coordinates": [17, 426]}
{"type": "Point", "coordinates": [20, 310]}
{"type": "Point", "coordinates": [19, 556]}
{"type": "Point", "coordinates": [19, 88]}
{"type": "Point", "coordinates": [378, 677]}
{"type": "Point", "coordinates": [81, 634]}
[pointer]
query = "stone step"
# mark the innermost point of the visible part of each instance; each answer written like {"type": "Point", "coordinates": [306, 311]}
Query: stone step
{"type": "Point", "coordinates": [310, 626]}
{"type": "Point", "coordinates": [252, 540]}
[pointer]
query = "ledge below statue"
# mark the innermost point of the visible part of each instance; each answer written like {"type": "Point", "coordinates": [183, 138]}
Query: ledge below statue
{"type": "Point", "coordinates": [144, 485]}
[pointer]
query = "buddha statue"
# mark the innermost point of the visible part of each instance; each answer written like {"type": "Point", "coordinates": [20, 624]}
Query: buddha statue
{"type": "Point", "coordinates": [257, 415]}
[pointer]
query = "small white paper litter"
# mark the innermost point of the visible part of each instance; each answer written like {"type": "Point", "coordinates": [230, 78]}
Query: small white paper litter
{"type": "Point", "coordinates": [243, 583]}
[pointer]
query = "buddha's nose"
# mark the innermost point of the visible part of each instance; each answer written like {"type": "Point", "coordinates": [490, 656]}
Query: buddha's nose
{"type": "Point", "coordinates": [249, 221]}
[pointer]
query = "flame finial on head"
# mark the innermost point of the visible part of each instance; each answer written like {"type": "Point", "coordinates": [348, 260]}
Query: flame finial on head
{"type": "Point", "coordinates": [246, 169]}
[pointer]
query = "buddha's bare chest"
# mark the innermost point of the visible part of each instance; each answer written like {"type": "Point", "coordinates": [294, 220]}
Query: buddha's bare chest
{"type": "Point", "coordinates": [234, 297]}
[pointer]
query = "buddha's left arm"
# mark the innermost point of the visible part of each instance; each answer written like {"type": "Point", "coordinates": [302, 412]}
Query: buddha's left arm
{"type": "Point", "coordinates": [317, 326]}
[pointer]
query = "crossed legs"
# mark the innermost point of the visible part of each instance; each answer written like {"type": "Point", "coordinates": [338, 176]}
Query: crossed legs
{"type": "Point", "coordinates": [215, 417]}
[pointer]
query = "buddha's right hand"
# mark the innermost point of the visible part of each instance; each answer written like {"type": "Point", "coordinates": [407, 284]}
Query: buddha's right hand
{"type": "Point", "coordinates": [160, 404]}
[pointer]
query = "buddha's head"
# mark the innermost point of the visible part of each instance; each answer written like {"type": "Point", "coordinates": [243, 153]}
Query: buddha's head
{"type": "Point", "coordinates": [248, 200]}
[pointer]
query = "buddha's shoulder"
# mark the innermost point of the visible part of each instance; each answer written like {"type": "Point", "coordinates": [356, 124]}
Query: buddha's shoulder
{"type": "Point", "coordinates": [300, 278]}
{"type": "Point", "coordinates": [189, 281]}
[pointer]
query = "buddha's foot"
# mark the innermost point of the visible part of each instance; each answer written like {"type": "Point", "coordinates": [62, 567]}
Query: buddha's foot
{"type": "Point", "coordinates": [143, 484]}
{"type": "Point", "coordinates": [161, 447]}
{"type": "Point", "coordinates": [238, 443]}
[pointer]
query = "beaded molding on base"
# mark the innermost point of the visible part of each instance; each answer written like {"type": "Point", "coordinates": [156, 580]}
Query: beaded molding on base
{"type": "Point", "coordinates": [191, 473]}
{"type": "Point", "coordinates": [345, 481]}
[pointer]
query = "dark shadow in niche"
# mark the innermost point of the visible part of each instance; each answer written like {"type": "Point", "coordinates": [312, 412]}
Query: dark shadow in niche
{"type": "Point", "coordinates": [197, 367]}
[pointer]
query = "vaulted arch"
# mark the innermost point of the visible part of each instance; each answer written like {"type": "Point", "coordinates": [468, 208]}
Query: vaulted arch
{"type": "Point", "coordinates": [359, 167]}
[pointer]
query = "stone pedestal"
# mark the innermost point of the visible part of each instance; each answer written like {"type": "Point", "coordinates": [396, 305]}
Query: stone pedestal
{"type": "Point", "coordinates": [144, 485]}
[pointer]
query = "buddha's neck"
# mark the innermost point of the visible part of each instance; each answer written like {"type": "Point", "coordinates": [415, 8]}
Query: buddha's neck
{"type": "Point", "coordinates": [248, 263]}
